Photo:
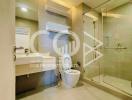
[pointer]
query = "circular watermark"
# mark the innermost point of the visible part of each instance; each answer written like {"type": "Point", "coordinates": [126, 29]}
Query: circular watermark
{"type": "Point", "coordinates": [34, 36]}
{"type": "Point", "coordinates": [71, 48]}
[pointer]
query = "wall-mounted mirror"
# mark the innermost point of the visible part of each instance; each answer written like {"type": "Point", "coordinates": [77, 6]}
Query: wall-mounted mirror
{"type": "Point", "coordinates": [26, 24]}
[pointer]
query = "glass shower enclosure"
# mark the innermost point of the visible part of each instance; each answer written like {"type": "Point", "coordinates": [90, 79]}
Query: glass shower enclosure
{"type": "Point", "coordinates": [114, 29]}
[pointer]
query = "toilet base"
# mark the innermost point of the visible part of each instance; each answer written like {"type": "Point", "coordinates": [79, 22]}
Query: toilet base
{"type": "Point", "coordinates": [67, 86]}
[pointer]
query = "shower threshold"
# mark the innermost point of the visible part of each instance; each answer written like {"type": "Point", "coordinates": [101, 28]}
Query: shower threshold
{"type": "Point", "coordinates": [119, 83]}
{"type": "Point", "coordinates": [109, 85]}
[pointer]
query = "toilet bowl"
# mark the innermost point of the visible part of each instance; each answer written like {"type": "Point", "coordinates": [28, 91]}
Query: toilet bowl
{"type": "Point", "coordinates": [70, 77]}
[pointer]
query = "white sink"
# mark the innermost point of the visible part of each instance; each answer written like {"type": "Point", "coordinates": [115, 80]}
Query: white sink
{"type": "Point", "coordinates": [28, 59]}
{"type": "Point", "coordinates": [33, 63]}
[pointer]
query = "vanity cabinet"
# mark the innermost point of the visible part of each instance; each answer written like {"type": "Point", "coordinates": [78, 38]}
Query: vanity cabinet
{"type": "Point", "coordinates": [48, 63]}
{"type": "Point", "coordinates": [27, 69]}
{"type": "Point", "coordinates": [35, 68]}
{"type": "Point", "coordinates": [26, 83]}
{"type": "Point", "coordinates": [30, 76]}
{"type": "Point", "coordinates": [22, 70]}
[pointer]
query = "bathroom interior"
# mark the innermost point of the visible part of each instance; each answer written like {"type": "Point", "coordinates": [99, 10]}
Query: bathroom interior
{"type": "Point", "coordinates": [103, 25]}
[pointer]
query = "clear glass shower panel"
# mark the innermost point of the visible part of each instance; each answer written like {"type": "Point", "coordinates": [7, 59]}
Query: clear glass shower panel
{"type": "Point", "coordinates": [91, 28]}
{"type": "Point", "coordinates": [117, 34]}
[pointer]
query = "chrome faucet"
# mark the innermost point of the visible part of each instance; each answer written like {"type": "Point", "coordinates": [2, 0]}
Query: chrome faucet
{"type": "Point", "coordinates": [18, 48]}
{"type": "Point", "coordinates": [27, 52]}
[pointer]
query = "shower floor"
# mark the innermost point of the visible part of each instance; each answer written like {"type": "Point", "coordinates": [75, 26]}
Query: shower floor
{"type": "Point", "coordinates": [122, 84]}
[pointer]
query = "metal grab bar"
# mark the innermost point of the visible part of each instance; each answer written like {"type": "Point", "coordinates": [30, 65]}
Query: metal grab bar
{"type": "Point", "coordinates": [116, 48]}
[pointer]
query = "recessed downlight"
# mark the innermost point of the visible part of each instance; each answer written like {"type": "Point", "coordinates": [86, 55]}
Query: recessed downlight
{"type": "Point", "coordinates": [24, 9]}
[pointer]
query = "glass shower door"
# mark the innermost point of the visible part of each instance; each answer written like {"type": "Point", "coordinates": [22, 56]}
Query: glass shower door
{"type": "Point", "coordinates": [91, 28]}
{"type": "Point", "coordinates": [117, 62]}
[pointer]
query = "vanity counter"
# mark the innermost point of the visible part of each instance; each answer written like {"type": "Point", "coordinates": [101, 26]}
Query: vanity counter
{"type": "Point", "coordinates": [34, 63]}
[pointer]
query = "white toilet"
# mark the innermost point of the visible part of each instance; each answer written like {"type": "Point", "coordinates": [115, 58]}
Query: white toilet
{"type": "Point", "coordinates": [70, 77]}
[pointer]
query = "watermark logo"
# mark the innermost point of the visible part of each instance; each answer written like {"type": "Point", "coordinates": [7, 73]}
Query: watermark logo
{"type": "Point", "coordinates": [90, 50]}
{"type": "Point", "coordinates": [34, 36]}
{"type": "Point", "coordinates": [70, 48]}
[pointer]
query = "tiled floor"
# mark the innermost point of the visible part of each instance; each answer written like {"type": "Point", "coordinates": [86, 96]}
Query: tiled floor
{"type": "Point", "coordinates": [82, 92]}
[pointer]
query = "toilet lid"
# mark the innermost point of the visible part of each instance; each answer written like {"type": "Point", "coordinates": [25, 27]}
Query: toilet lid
{"type": "Point", "coordinates": [66, 62]}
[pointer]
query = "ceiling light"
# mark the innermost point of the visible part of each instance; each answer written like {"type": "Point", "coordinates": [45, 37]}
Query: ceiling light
{"type": "Point", "coordinates": [24, 9]}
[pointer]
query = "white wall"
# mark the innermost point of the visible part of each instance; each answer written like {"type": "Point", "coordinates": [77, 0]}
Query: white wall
{"type": "Point", "coordinates": [45, 41]}
{"type": "Point", "coordinates": [7, 37]}
{"type": "Point", "coordinates": [77, 27]}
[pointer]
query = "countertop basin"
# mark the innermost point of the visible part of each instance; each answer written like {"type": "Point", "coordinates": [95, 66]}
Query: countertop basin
{"type": "Point", "coordinates": [30, 58]}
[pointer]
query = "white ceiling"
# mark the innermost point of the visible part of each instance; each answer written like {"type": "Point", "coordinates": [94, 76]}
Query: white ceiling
{"type": "Point", "coordinates": [33, 6]}
{"type": "Point", "coordinates": [109, 5]}
{"type": "Point", "coordinates": [94, 3]}
{"type": "Point", "coordinates": [72, 2]}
